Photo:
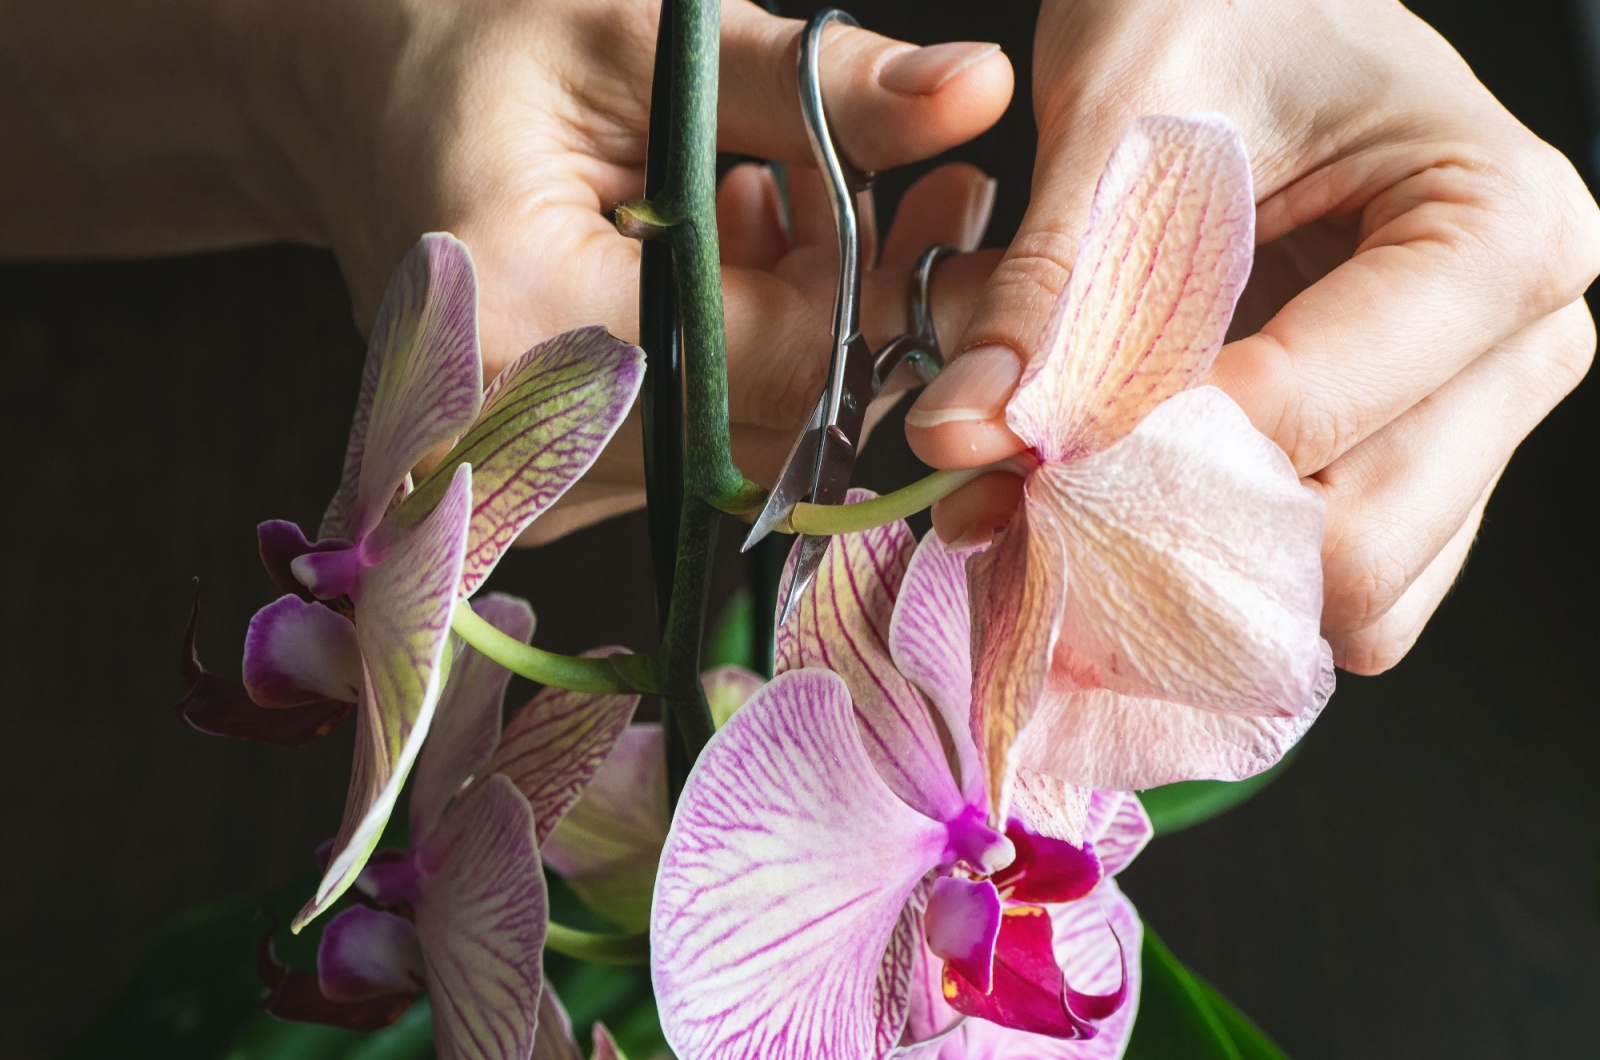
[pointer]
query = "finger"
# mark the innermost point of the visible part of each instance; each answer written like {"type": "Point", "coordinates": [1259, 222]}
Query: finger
{"type": "Point", "coordinates": [750, 218]}
{"type": "Point", "coordinates": [1395, 500]}
{"type": "Point", "coordinates": [952, 204]}
{"type": "Point", "coordinates": [888, 102]}
{"type": "Point", "coordinates": [1384, 643]}
{"type": "Point", "coordinates": [970, 516]}
{"type": "Point", "coordinates": [1454, 259]}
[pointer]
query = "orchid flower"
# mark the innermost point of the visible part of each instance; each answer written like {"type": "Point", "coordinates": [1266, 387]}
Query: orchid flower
{"type": "Point", "coordinates": [833, 845]}
{"type": "Point", "coordinates": [367, 610]}
{"type": "Point", "coordinates": [555, 1040]}
{"type": "Point", "coordinates": [462, 914]}
{"type": "Point", "coordinates": [1153, 607]}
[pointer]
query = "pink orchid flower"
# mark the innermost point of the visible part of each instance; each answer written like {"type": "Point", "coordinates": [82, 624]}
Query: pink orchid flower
{"type": "Point", "coordinates": [391, 562]}
{"type": "Point", "coordinates": [832, 847]}
{"type": "Point", "coordinates": [1153, 607]}
{"type": "Point", "coordinates": [462, 914]}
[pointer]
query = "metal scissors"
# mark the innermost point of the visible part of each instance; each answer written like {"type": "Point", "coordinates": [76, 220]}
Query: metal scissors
{"type": "Point", "coordinates": [819, 466]}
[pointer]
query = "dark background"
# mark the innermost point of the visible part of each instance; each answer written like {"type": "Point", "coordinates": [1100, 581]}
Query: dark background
{"type": "Point", "coordinates": [1424, 881]}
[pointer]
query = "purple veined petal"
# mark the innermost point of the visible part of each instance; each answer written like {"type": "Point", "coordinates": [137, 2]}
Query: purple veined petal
{"type": "Point", "coordinates": [466, 724]}
{"type": "Point", "coordinates": [403, 626]}
{"type": "Point", "coordinates": [481, 917]}
{"type": "Point", "coordinates": [783, 878]}
{"type": "Point", "coordinates": [1105, 740]}
{"type": "Point", "coordinates": [367, 953]}
{"type": "Point", "coordinates": [1049, 806]}
{"type": "Point", "coordinates": [842, 624]}
{"type": "Point", "coordinates": [608, 844]}
{"type": "Point", "coordinates": [891, 996]}
{"type": "Point", "coordinates": [1195, 560]}
{"type": "Point", "coordinates": [545, 419]}
{"type": "Point", "coordinates": [1098, 940]}
{"type": "Point", "coordinates": [429, 379]}
{"type": "Point", "coordinates": [1165, 256]}
{"type": "Point", "coordinates": [727, 689]}
{"type": "Point", "coordinates": [281, 543]}
{"type": "Point", "coordinates": [962, 921]}
{"type": "Point", "coordinates": [930, 640]}
{"type": "Point", "coordinates": [554, 745]}
{"type": "Point", "coordinates": [1118, 827]}
{"type": "Point", "coordinates": [930, 1018]}
{"type": "Point", "coordinates": [554, 1039]}
{"type": "Point", "coordinates": [297, 653]}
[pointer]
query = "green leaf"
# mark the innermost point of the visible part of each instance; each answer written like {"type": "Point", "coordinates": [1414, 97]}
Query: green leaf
{"type": "Point", "coordinates": [1174, 807]}
{"type": "Point", "coordinates": [1182, 1017]}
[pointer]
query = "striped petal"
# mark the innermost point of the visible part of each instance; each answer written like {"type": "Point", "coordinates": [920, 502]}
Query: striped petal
{"type": "Point", "coordinates": [1194, 563]}
{"type": "Point", "coordinates": [481, 918]}
{"type": "Point", "coordinates": [296, 653]}
{"type": "Point", "coordinates": [555, 744]}
{"type": "Point", "coordinates": [842, 624]}
{"type": "Point", "coordinates": [1018, 586]}
{"type": "Point", "coordinates": [554, 1040]}
{"type": "Point", "coordinates": [930, 640]}
{"type": "Point", "coordinates": [367, 953]}
{"type": "Point", "coordinates": [402, 618]}
{"type": "Point", "coordinates": [545, 419]}
{"type": "Point", "coordinates": [1165, 256]}
{"type": "Point", "coordinates": [727, 689]}
{"type": "Point", "coordinates": [1118, 742]}
{"type": "Point", "coordinates": [422, 383]}
{"type": "Point", "coordinates": [1118, 827]}
{"type": "Point", "coordinates": [1049, 806]}
{"type": "Point", "coordinates": [892, 995]}
{"type": "Point", "coordinates": [783, 878]}
{"type": "Point", "coordinates": [608, 844]}
{"type": "Point", "coordinates": [466, 724]}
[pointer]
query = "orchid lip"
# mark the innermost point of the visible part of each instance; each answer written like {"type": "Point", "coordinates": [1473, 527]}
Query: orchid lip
{"type": "Point", "coordinates": [330, 574]}
{"type": "Point", "coordinates": [973, 843]}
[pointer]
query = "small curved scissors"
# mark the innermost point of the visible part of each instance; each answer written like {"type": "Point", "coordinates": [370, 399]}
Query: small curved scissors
{"type": "Point", "coordinates": [819, 466]}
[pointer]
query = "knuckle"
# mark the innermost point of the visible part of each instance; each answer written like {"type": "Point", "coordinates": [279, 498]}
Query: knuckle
{"type": "Point", "coordinates": [1363, 581]}
{"type": "Point", "coordinates": [1315, 429]}
{"type": "Point", "coordinates": [1557, 228]}
{"type": "Point", "coordinates": [1571, 353]}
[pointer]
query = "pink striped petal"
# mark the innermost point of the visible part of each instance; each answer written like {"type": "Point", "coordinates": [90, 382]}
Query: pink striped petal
{"type": "Point", "coordinates": [1049, 806]}
{"type": "Point", "coordinates": [842, 624]}
{"type": "Point", "coordinates": [930, 1019]}
{"type": "Point", "coordinates": [891, 995]}
{"type": "Point", "coordinates": [1118, 742]}
{"type": "Point", "coordinates": [554, 1039]}
{"type": "Point", "coordinates": [1018, 586]}
{"type": "Point", "coordinates": [930, 639]}
{"type": "Point", "coordinates": [402, 618]}
{"type": "Point", "coordinates": [466, 725]}
{"type": "Point", "coordinates": [1118, 827]}
{"type": "Point", "coordinates": [1165, 256]}
{"type": "Point", "coordinates": [555, 744]}
{"type": "Point", "coordinates": [783, 878]}
{"type": "Point", "coordinates": [545, 419]}
{"type": "Point", "coordinates": [422, 384]}
{"type": "Point", "coordinates": [481, 918]}
{"type": "Point", "coordinates": [1194, 563]}
{"type": "Point", "coordinates": [367, 953]}
{"type": "Point", "coordinates": [727, 689]}
{"type": "Point", "coordinates": [607, 846]}
{"type": "Point", "coordinates": [297, 653]}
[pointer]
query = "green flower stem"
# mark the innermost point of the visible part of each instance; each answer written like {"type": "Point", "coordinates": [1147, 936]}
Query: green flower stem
{"type": "Point", "coordinates": [825, 519]}
{"type": "Point", "coordinates": [546, 667]}
{"type": "Point", "coordinates": [603, 949]}
{"type": "Point", "coordinates": [686, 620]}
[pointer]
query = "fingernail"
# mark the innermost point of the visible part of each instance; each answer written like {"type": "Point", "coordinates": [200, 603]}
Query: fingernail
{"type": "Point", "coordinates": [923, 71]}
{"type": "Point", "coordinates": [974, 386]}
{"type": "Point", "coordinates": [979, 210]}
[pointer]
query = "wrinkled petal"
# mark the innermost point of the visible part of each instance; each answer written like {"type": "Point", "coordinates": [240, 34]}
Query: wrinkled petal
{"type": "Point", "coordinates": [783, 878]}
{"type": "Point", "coordinates": [366, 953]}
{"type": "Point", "coordinates": [1047, 870]}
{"type": "Point", "coordinates": [962, 920]}
{"type": "Point", "coordinates": [608, 844]}
{"type": "Point", "coordinates": [219, 707]}
{"type": "Point", "coordinates": [1194, 560]}
{"type": "Point", "coordinates": [1049, 806]}
{"type": "Point", "coordinates": [1118, 827]}
{"type": "Point", "coordinates": [891, 996]}
{"type": "Point", "coordinates": [481, 918]}
{"type": "Point", "coordinates": [297, 652]}
{"type": "Point", "coordinates": [403, 626]}
{"type": "Point", "coordinates": [545, 419]}
{"type": "Point", "coordinates": [466, 724]}
{"type": "Point", "coordinates": [1018, 586]}
{"type": "Point", "coordinates": [842, 624]}
{"type": "Point", "coordinates": [930, 640]}
{"type": "Point", "coordinates": [727, 689]}
{"type": "Point", "coordinates": [554, 745]}
{"type": "Point", "coordinates": [294, 995]}
{"type": "Point", "coordinates": [554, 1039]}
{"type": "Point", "coordinates": [1165, 256]}
{"type": "Point", "coordinates": [1106, 740]}
{"type": "Point", "coordinates": [422, 383]}
{"type": "Point", "coordinates": [281, 543]}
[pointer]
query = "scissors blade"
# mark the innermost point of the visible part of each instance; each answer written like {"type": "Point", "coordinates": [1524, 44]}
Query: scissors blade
{"type": "Point", "coordinates": [796, 483]}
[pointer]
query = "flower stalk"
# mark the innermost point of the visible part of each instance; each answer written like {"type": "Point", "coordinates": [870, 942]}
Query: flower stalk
{"type": "Point", "coordinates": [591, 946]}
{"type": "Point", "coordinates": [597, 675]}
{"type": "Point", "coordinates": [830, 519]}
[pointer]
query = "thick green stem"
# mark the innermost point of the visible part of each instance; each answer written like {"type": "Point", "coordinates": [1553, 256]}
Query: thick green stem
{"type": "Point", "coordinates": [536, 664]}
{"type": "Point", "coordinates": [825, 519]}
{"type": "Point", "coordinates": [602, 949]}
{"type": "Point", "coordinates": [686, 620]}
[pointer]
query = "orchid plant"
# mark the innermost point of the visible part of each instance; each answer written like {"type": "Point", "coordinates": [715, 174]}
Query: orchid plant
{"type": "Point", "coordinates": [904, 843]}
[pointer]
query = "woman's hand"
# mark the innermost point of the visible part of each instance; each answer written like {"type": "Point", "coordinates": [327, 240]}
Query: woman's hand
{"type": "Point", "coordinates": [1416, 306]}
